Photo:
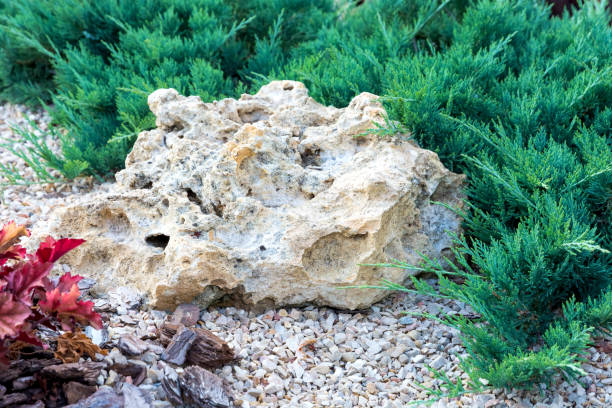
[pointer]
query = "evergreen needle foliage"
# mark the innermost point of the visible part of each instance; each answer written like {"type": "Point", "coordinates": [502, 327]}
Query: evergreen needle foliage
{"type": "Point", "coordinates": [518, 100]}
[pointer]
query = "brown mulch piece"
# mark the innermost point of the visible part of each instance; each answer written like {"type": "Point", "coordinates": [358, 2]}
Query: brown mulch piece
{"type": "Point", "coordinates": [206, 350]}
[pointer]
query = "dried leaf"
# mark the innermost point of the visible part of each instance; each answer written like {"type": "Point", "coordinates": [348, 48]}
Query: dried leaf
{"type": "Point", "coordinates": [307, 343]}
{"type": "Point", "coordinates": [9, 234]}
{"type": "Point", "coordinates": [71, 346]}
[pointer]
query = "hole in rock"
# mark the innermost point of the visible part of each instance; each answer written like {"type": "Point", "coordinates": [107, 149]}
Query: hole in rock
{"type": "Point", "coordinates": [176, 127]}
{"type": "Point", "coordinates": [218, 208]}
{"type": "Point", "coordinates": [141, 182]}
{"type": "Point", "coordinates": [158, 240]}
{"type": "Point", "coordinates": [193, 197]}
{"type": "Point", "coordinates": [311, 157]}
{"type": "Point", "coordinates": [262, 248]}
{"type": "Point", "coordinates": [288, 87]}
{"type": "Point", "coordinates": [252, 115]}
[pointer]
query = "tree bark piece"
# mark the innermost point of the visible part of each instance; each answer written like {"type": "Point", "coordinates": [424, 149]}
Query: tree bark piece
{"type": "Point", "coordinates": [132, 345]}
{"type": "Point", "coordinates": [207, 350]}
{"type": "Point", "coordinates": [20, 368]}
{"type": "Point", "coordinates": [136, 372]}
{"type": "Point", "coordinates": [204, 389]}
{"type": "Point", "coordinates": [105, 397]}
{"type": "Point", "coordinates": [75, 391]}
{"type": "Point", "coordinates": [11, 399]}
{"type": "Point", "coordinates": [176, 352]}
{"type": "Point", "coordinates": [87, 372]}
{"type": "Point", "coordinates": [170, 385]}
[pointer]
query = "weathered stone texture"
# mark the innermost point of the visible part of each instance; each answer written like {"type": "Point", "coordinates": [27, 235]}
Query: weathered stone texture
{"type": "Point", "coordinates": [272, 198]}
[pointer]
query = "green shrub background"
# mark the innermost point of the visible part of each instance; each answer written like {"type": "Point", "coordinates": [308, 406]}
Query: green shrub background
{"type": "Point", "coordinates": [519, 101]}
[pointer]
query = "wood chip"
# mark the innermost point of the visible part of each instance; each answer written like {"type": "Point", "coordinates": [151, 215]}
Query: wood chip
{"type": "Point", "coordinates": [207, 350]}
{"type": "Point", "coordinates": [176, 352]}
{"type": "Point", "coordinates": [204, 389]}
{"type": "Point", "coordinates": [104, 397]}
{"type": "Point", "coordinates": [20, 368]}
{"type": "Point", "coordinates": [85, 372]}
{"type": "Point", "coordinates": [11, 399]}
{"type": "Point", "coordinates": [131, 345]}
{"type": "Point", "coordinates": [170, 385]}
{"type": "Point", "coordinates": [75, 391]}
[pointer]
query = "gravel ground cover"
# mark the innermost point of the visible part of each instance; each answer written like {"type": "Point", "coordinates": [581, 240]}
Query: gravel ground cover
{"type": "Point", "coordinates": [308, 356]}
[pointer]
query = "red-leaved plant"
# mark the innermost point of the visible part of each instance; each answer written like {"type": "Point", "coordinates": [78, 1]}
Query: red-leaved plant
{"type": "Point", "coordinates": [29, 299]}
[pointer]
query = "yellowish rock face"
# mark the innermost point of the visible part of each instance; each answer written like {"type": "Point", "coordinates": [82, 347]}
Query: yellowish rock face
{"type": "Point", "coordinates": [269, 199]}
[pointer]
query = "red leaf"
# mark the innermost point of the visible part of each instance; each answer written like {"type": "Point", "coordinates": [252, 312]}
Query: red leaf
{"type": "Point", "coordinates": [29, 338]}
{"type": "Point", "coordinates": [13, 315]}
{"type": "Point", "coordinates": [14, 252]}
{"type": "Point", "coordinates": [51, 250]}
{"type": "Point", "coordinates": [25, 278]}
{"type": "Point", "coordinates": [70, 310]}
{"type": "Point", "coordinates": [66, 281]}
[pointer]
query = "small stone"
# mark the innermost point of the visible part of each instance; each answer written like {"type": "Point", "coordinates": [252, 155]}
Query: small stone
{"type": "Point", "coordinates": [23, 383]}
{"type": "Point", "coordinates": [98, 337]}
{"type": "Point", "coordinates": [269, 363]}
{"type": "Point", "coordinates": [397, 351]}
{"type": "Point", "coordinates": [438, 363]}
{"type": "Point", "coordinates": [154, 375]}
{"type": "Point", "coordinates": [374, 348]}
{"type": "Point", "coordinates": [275, 384]}
{"type": "Point", "coordinates": [127, 320]}
{"type": "Point", "coordinates": [116, 357]}
{"type": "Point", "coordinates": [339, 338]}
{"type": "Point", "coordinates": [414, 335]}
{"type": "Point", "coordinates": [406, 320]}
{"type": "Point", "coordinates": [242, 375]}
{"type": "Point", "coordinates": [348, 357]}
{"type": "Point", "coordinates": [371, 387]}
{"type": "Point", "coordinates": [112, 377]}
{"type": "Point", "coordinates": [419, 358]}
{"type": "Point", "coordinates": [297, 369]}
{"type": "Point", "coordinates": [388, 321]}
{"type": "Point", "coordinates": [293, 343]}
{"type": "Point", "coordinates": [135, 397]}
{"type": "Point", "coordinates": [131, 345]}
{"type": "Point", "coordinates": [149, 357]}
{"type": "Point", "coordinates": [323, 368]}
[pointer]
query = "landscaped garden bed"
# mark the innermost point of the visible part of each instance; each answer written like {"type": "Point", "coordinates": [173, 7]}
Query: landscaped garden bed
{"type": "Point", "coordinates": [518, 311]}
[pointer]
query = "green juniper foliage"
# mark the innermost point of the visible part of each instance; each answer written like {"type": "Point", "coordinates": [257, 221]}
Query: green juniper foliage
{"type": "Point", "coordinates": [519, 101]}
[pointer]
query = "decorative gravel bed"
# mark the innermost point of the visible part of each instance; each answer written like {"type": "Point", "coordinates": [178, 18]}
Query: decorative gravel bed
{"type": "Point", "coordinates": [307, 356]}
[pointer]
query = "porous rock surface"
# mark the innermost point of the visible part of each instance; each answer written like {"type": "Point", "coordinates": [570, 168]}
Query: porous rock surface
{"type": "Point", "coordinates": [269, 199]}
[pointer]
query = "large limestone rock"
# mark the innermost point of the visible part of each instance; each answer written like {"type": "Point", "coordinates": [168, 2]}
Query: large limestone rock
{"type": "Point", "coordinates": [269, 199]}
